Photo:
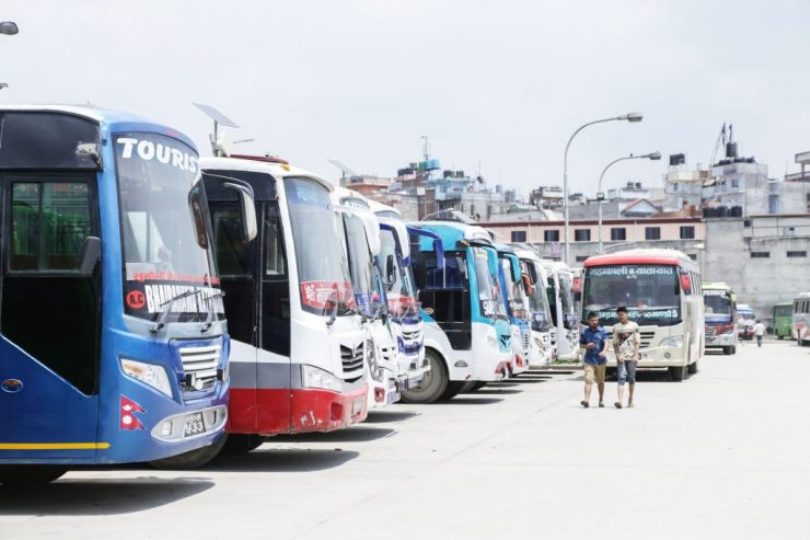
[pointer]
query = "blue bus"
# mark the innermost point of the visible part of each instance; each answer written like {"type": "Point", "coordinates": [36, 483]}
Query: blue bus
{"type": "Point", "coordinates": [113, 344]}
{"type": "Point", "coordinates": [466, 331]}
{"type": "Point", "coordinates": [516, 304]}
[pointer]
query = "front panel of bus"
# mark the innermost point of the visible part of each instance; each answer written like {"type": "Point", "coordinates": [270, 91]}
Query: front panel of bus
{"type": "Point", "coordinates": [112, 328]}
{"type": "Point", "coordinates": [670, 318]}
{"type": "Point", "coordinates": [721, 318]}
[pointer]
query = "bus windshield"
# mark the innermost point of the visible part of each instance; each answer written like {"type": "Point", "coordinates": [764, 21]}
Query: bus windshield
{"type": "Point", "coordinates": [651, 293]}
{"type": "Point", "coordinates": [360, 264]}
{"type": "Point", "coordinates": [402, 292]}
{"type": "Point", "coordinates": [163, 212]}
{"type": "Point", "coordinates": [567, 300]}
{"type": "Point", "coordinates": [718, 306]}
{"type": "Point", "coordinates": [538, 299]}
{"type": "Point", "coordinates": [488, 294]}
{"type": "Point", "coordinates": [515, 294]}
{"type": "Point", "coordinates": [323, 272]}
{"type": "Point", "coordinates": [785, 310]}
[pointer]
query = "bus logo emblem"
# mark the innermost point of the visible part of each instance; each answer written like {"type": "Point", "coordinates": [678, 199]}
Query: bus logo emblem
{"type": "Point", "coordinates": [135, 299]}
{"type": "Point", "coordinates": [11, 386]}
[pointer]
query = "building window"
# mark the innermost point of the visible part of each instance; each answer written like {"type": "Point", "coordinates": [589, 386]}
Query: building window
{"type": "Point", "coordinates": [797, 254]}
{"type": "Point", "coordinates": [760, 254]}
{"type": "Point", "coordinates": [582, 258]}
{"type": "Point", "coordinates": [746, 223]}
{"type": "Point", "coordinates": [652, 233]}
{"type": "Point", "coordinates": [688, 232]}
{"type": "Point", "coordinates": [735, 183]}
{"type": "Point", "coordinates": [582, 235]}
{"type": "Point", "coordinates": [518, 236]}
{"type": "Point", "coordinates": [693, 256]}
{"type": "Point", "coordinates": [618, 234]}
{"type": "Point", "coordinates": [551, 236]}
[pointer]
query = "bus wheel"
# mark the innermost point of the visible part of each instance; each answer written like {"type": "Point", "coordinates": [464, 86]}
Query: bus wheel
{"type": "Point", "coordinates": [692, 368]}
{"type": "Point", "coordinates": [677, 373]}
{"type": "Point", "coordinates": [191, 460]}
{"type": "Point", "coordinates": [611, 374]}
{"type": "Point", "coordinates": [453, 389]}
{"type": "Point", "coordinates": [727, 350]}
{"type": "Point", "coordinates": [29, 475]}
{"type": "Point", "coordinates": [781, 337]}
{"type": "Point", "coordinates": [432, 385]}
{"type": "Point", "coordinates": [733, 349]}
{"type": "Point", "coordinates": [241, 444]}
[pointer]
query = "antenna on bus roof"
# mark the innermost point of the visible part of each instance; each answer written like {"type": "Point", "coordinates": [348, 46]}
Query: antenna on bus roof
{"type": "Point", "coordinates": [217, 143]}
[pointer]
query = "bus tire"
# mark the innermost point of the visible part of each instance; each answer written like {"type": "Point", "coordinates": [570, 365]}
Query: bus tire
{"type": "Point", "coordinates": [733, 349]}
{"type": "Point", "coordinates": [781, 337]}
{"type": "Point", "coordinates": [677, 373]}
{"type": "Point", "coordinates": [191, 460]}
{"type": "Point", "coordinates": [453, 389]}
{"type": "Point", "coordinates": [29, 475]}
{"type": "Point", "coordinates": [727, 350]}
{"type": "Point", "coordinates": [692, 368]}
{"type": "Point", "coordinates": [237, 444]}
{"type": "Point", "coordinates": [611, 374]}
{"type": "Point", "coordinates": [434, 383]}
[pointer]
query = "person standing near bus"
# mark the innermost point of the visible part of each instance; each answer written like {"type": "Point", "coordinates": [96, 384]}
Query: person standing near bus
{"type": "Point", "coordinates": [759, 331]}
{"type": "Point", "coordinates": [593, 341]}
{"type": "Point", "coordinates": [626, 343]}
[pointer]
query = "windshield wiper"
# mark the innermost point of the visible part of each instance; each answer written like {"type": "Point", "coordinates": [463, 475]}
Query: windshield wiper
{"type": "Point", "coordinates": [208, 322]}
{"type": "Point", "coordinates": [166, 308]}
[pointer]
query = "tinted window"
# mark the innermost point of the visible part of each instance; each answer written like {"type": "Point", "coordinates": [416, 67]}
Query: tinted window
{"type": "Point", "coordinates": [652, 233]}
{"type": "Point", "coordinates": [551, 236]}
{"type": "Point", "coordinates": [618, 233]}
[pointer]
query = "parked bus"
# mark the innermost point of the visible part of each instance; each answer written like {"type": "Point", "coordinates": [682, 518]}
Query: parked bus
{"type": "Point", "coordinates": [513, 293]}
{"type": "Point", "coordinates": [661, 289]}
{"type": "Point", "coordinates": [801, 318]}
{"type": "Point", "coordinates": [565, 328]}
{"type": "Point", "coordinates": [720, 304]}
{"type": "Point", "coordinates": [401, 294]}
{"type": "Point", "coordinates": [113, 344]}
{"type": "Point", "coordinates": [745, 321]}
{"type": "Point", "coordinates": [467, 334]}
{"type": "Point", "coordinates": [541, 353]}
{"type": "Point", "coordinates": [783, 320]}
{"type": "Point", "coordinates": [299, 356]}
{"type": "Point", "coordinates": [362, 244]}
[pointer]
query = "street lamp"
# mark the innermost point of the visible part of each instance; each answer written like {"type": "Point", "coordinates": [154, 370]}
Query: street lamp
{"type": "Point", "coordinates": [600, 196]}
{"type": "Point", "coordinates": [629, 117]}
{"type": "Point", "coordinates": [8, 28]}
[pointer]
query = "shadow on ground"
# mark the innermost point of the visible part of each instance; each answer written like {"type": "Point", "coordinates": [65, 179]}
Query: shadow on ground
{"type": "Point", "coordinates": [69, 497]}
{"type": "Point", "coordinates": [269, 459]}
{"type": "Point", "coordinates": [383, 417]}
{"type": "Point", "coordinates": [361, 433]}
{"type": "Point", "coordinates": [494, 391]}
{"type": "Point", "coordinates": [471, 400]}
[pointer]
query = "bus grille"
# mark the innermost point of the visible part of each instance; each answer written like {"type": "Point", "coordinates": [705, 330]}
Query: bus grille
{"type": "Point", "coordinates": [412, 338]}
{"type": "Point", "coordinates": [352, 359]}
{"type": "Point", "coordinates": [200, 365]}
{"type": "Point", "coordinates": [646, 338]}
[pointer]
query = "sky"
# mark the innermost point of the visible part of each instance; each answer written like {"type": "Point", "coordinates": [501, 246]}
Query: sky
{"type": "Point", "coordinates": [499, 85]}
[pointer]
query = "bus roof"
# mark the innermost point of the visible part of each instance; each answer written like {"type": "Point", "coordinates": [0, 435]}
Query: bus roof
{"type": "Point", "coordinates": [452, 232]}
{"type": "Point", "coordinates": [275, 169]}
{"type": "Point", "coordinates": [716, 285]}
{"type": "Point", "coordinates": [669, 257]}
{"type": "Point", "coordinates": [803, 295]}
{"type": "Point", "coordinates": [107, 118]}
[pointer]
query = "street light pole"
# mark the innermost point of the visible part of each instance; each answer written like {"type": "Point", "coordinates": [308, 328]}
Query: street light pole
{"type": "Point", "coordinates": [600, 196]}
{"type": "Point", "coordinates": [630, 117]}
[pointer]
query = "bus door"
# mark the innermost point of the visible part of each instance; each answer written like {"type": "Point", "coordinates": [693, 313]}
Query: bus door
{"type": "Point", "coordinates": [50, 316]}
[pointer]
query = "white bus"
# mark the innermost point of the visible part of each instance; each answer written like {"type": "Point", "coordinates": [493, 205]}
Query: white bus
{"type": "Point", "coordinates": [661, 289]}
{"type": "Point", "coordinates": [542, 351]}
{"type": "Point", "coordinates": [801, 318]}
{"type": "Point", "coordinates": [721, 317]}
{"type": "Point", "coordinates": [565, 332]}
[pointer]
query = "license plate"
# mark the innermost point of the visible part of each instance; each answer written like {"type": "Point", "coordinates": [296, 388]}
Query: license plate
{"type": "Point", "coordinates": [357, 406]}
{"type": "Point", "coordinates": [194, 425]}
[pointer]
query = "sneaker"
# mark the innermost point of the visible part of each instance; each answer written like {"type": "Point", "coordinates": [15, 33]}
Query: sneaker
{"type": "Point", "coordinates": [618, 405]}
{"type": "Point", "coordinates": [630, 405]}
{"type": "Point", "coordinates": [584, 403]}
{"type": "Point", "coordinates": [601, 405]}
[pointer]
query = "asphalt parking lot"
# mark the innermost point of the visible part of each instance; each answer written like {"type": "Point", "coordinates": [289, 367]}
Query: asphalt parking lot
{"type": "Point", "coordinates": [721, 454]}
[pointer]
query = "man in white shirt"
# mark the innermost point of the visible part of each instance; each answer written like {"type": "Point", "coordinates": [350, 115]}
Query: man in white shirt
{"type": "Point", "coordinates": [759, 331]}
{"type": "Point", "coordinates": [626, 343]}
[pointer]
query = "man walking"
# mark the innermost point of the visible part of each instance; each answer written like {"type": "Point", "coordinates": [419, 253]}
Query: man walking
{"type": "Point", "coordinates": [626, 343]}
{"type": "Point", "coordinates": [593, 342]}
{"type": "Point", "coordinates": [759, 331]}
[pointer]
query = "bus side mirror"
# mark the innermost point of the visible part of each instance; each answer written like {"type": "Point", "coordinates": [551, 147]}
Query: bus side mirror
{"type": "Point", "coordinates": [686, 284]}
{"type": "Point", "coordinates": [390, 271]}
{"type": "Point", "coordinates": [248, 208]}
{"type": "Point", "coordinates": [89, 255]}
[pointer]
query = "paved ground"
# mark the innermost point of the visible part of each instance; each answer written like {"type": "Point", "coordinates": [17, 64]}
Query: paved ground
{"type": "Point", "coordinates": [722, 454]}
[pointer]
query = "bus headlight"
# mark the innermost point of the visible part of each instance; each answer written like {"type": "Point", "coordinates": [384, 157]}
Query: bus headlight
{"type": "Point", "coordinates": [672, 341]}
{"type": "Point", "coordinates": [150, 374]}
{"type": "Point", "coordinates": [313, 377]}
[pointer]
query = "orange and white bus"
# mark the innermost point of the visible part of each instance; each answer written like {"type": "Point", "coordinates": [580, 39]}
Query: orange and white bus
{"type": "Point", "coordinates": [661, 289]}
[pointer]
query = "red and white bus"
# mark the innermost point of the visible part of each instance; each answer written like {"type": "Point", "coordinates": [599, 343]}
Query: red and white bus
{"type": "Point", "coordinates": [661, 289]}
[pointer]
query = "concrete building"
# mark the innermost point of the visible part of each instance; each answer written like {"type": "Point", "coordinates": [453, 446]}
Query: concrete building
{"type": "Point", "coordinates": [684, 233]}
{"type": "Point", "coordinates": [683, 186]}
{"type": "Point", "coordinates": [763, 257]}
